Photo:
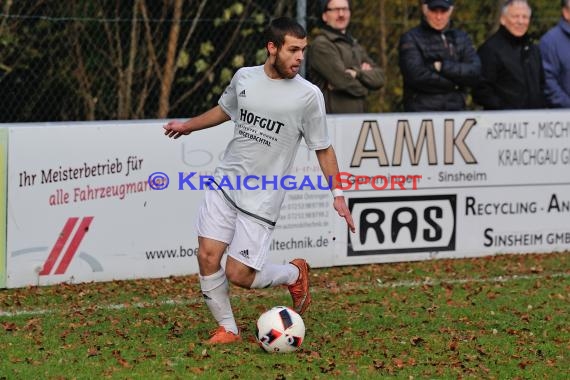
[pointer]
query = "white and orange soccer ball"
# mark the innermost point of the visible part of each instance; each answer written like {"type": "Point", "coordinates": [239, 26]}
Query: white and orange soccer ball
{"type": "Point", "coordinates": [280, 329]}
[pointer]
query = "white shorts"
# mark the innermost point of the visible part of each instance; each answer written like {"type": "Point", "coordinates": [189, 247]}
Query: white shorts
{"type": "Point", "coordinates": [248, 241]}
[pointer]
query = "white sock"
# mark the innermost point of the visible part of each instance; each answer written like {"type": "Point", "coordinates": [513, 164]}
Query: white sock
{"type": "Point", "coordinates": [275, 274]}
{"type": "Point", "coordinates": [216, 292]}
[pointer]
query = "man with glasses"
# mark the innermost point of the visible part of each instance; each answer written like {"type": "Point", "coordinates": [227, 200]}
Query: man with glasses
{"type": "Point", "coordinates": [338, 64]}
{"type": "Point", "coordinates": [437, 62]}
{"type": "Point", "coordinates": [512, 74]}
{"type": "Point", "coordinates": [555, 49]}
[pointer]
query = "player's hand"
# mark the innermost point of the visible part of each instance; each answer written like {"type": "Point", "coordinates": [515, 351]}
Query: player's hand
{"type": "Point", "coordinates": [342, 209]}
{"type": "Point", "coordinates": [365, 66]}
{"type": "Point", "coordinates": [175, 129]}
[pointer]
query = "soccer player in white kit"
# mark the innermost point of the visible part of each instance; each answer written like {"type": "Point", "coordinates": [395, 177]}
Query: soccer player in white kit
{"type": "Point", "coordinates": [272, 108]}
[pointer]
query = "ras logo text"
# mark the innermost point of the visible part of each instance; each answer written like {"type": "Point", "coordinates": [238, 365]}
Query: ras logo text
{"type": "Point", "coordinates": [386, 225]}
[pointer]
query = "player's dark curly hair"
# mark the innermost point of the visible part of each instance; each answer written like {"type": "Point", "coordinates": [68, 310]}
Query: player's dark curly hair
{"type": "Point", "coordinates": [281, 27]}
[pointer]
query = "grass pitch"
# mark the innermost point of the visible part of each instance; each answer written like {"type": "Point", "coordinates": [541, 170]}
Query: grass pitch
{"type": "Point", "coordinates": [493, 317]}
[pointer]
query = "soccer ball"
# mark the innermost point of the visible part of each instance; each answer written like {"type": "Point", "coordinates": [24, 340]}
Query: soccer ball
{"type": "Point", "coordinates": [280, 329]}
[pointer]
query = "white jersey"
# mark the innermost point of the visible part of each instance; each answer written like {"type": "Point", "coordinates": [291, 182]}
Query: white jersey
{"type": "Point", "coordinates": [270, 116]}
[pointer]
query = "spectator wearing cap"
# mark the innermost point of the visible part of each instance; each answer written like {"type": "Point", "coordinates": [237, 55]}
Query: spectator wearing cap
{"type": "Point", "coordinates": [338, 64]}
{"type": "Point", "coordinates": [438, 62]}
{"type": "Point", "coordinates": [512, 76]}
{"type": "Point", "coordinates": [555, 50]}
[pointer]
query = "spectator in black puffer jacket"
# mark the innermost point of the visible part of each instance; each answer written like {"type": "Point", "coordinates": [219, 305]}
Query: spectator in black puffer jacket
{"type": "Point", "coordinates": [438, 63]}
{"type": "Point", "coordinates": [512, 74]}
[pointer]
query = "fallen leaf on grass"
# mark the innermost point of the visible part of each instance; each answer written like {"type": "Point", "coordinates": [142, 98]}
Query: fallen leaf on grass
{"type": "Point", "coordinates": [379, 364]}
{"type": "Point", "coordinates": [15, 360]}
{"type": "Point", "coordinates": [33, 325]}
{"type": "Point", "coordinates": [122, 361]}
{"type": "Point", "coordinates": [197, 370]}
{"type": "Point", "coordinates": [9, 326]}
{"type": "Point", "coordinates": [92, 351]}
{"type": "Point", "coordinates": [32, 361]}
{"type": "Point", "coordinates": [417, 340]}
{"type": "Point", "coordinates": [398, 362]}
{"type": "Point", "coordinates": [481, 351]}
{"type": "Point", "coordinates": [123, 334]}
{"type": "Point", "coordinates": [175, 330]}
{"type": "Point", "coordinates": [331, 365]}
{"type": "Point", "coordinates": [315, 354]}
{"type": "Point", "coordinates": [524, 364]}
{"type": "Point", "coordinates": [453, 345]}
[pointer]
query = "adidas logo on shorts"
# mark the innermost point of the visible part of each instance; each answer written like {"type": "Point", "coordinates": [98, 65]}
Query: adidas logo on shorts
{"type": "Point", "coordinates": [245, 253]}
{"type": "Point", "coordinates": [242, 94]}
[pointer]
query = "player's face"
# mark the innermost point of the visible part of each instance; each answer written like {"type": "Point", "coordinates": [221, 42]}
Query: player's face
{"type": "Point", "coordinates": [288, 58]}
{"type": "Point", "coordinates": [437, 18]}
{"type": "Point", "coordinates": [516, 19]}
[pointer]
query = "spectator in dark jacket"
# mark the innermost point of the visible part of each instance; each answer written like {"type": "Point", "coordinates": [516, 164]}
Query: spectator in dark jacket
{"type": "Point", "coordinates": [555, 50]}
{"type": "Point", "coordinates": [339, 65]}
{"type": "Point", "coordinates": [512, 75]}
{"type": "Point", "coordinates": [437, 62]}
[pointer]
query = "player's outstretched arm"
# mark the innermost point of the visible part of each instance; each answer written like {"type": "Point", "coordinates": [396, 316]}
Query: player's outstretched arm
{"type": "Point", "coordinates": [210, 118]}
{"type": "Point", "coordinates": [329, 167]}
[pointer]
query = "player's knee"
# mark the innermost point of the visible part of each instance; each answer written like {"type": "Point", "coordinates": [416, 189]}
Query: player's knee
{"type": "Point", "coordinates": [238, 276]}
{"type": "Point", "coordinates": [235, 278]}
{"type": "Point", "coordinates": [206, 259]}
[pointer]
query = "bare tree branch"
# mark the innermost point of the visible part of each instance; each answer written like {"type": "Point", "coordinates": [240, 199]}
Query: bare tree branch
{"type": "Point", "coordinates": [164, 103]}
{"type": "Point", "coordinates": [382, 43]}
{"type": "Point", "coordinates": [6, 11]}
{"type": "Point", "coordinates": [192, 29]}
{"type": "Point", "coordinates": [149, 40]}
{"type": "Point", "coordinates": [220, 57]}
{"type": "Point", "coordinates": [144, 91]}
{"type": "Point", "coordinates": [168, 70]}
{"type": "Point", "coordinates": [82, 76]}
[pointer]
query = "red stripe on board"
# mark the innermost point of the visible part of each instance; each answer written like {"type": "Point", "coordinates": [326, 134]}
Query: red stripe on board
{"type": "Point", "coordinates": [58, 246]}
{"type": "Point", "coordinates": [72, 248]}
